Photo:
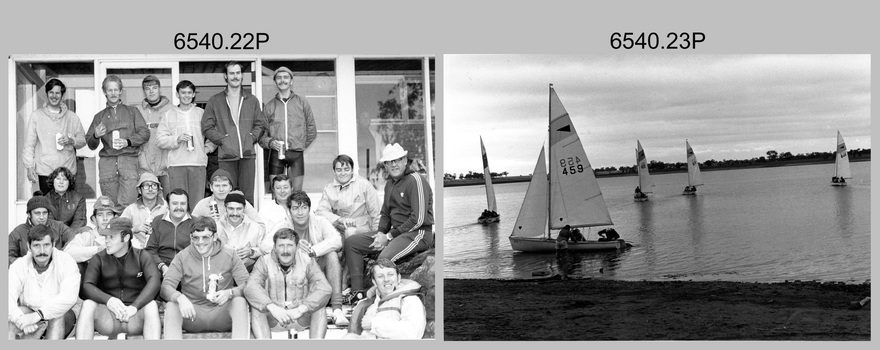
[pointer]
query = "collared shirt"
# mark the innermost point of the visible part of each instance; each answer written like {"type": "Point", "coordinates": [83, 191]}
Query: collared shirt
{"type": "Point", "coordinates": [246, 234]}
{"type": "Point", "coordinates": [139, 214]}
{"type": "Point", "coordinates": [356, 199]}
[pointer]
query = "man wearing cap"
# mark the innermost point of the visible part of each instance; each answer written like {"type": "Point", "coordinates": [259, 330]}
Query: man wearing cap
{"type": "Point", "coordinates": [88, 240]}
{"type": "Point", "coordinates": [405, 224]}
{"type": "Point", "coordinates": [287, 290]}
{"type": "Point", "coordinates": [148, 206]}
{"type": "Point", "coordinates": [171, 230]}
{"type": "Point", "coordinates": [153, 159]}
{"type": "Point", "coordinates": [43, 288]}
{"type": "Point", "coordinates": [180, 133]}
{"type": "Point", "coordinates": [120, 285]}
{"type": "Point", "coordinates": [292, 129]}
{"type": "Point", "coordinates": [203, 287]}
{"type": "Point", "coordinates": [238, 232]}
{"type": "Point", "coordinates": [221, 185]}
{"type": "Point", "coordinates": [37, 214]}
{"type": "Point", "coordinates": [122, 130]}
{"type": "Point", "coordinates": [234, 121]}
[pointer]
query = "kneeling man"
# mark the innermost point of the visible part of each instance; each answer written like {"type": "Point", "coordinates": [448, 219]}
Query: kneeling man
{"type": "Point", "coordinates": [293, 300]}
{"type": "Point", "coordinates": [203, 287]}
{"type": "Point", "coordinates": [120, 285]}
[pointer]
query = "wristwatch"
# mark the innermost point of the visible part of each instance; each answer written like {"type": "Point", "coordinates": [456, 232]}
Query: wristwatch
{"type": "Point", "coordinates": [42, 318]}
{"type": "Point", "coordinates": [389, 236]}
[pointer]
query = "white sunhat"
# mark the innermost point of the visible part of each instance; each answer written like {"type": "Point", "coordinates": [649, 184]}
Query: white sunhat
{"type": "Point", "coordinates": [392, 152]}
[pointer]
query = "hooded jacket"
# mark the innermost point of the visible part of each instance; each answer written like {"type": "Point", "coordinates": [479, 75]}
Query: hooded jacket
{"type": "Point", "coordinates": [189, 274]}
{"type": "Point", "coordinates": [152, 158]}
{"type": "Point", "coordinates": [175, 123]}
{"type": "Point", "coordinates": [131, 126]}
{"type": "Point", "coordinates": [291, 122]}
{"type": "Point", "coordinates": [70, 208]}
{"type": "Point", "coordinates": [235, 141]}
{"type": "Point", "coordinates": [408, 204]}
{"type": "Point", "coordinates": [40, 151]}
{"type": "Point", "coordinates": [355, 199]}
{"type": "Point", "coordinates": [248, 233]}
{"type": "Point", "coordinates": [133, 278]}
{"type": "Point", "coordinates": [168, 240]}
{"type": "Point", "coordinates": [399, 315]}
{"type": "Point", "coordinates": [268, 284]}
{"type": "Point", "coordinates": [53, 292]}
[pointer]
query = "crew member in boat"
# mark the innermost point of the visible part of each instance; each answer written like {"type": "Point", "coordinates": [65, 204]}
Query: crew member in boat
{"type": "Point", "coordinates": [576, 235]}
{"type": "Point", "coordinates": [608, 234]}
{"type": "Point", "coordinates": [638, 190]}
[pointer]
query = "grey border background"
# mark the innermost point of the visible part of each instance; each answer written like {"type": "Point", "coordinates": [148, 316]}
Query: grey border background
{"type": "Point", "coordinates": [455, 26]}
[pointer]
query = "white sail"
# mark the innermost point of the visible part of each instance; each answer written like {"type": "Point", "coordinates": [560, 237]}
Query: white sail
{"type": "Point", "coordinates": [532, 218]}
{"type": "Point", "coordinates": [490, 191]}
{"type": "Point", "coordinates": [575, 197]}
{"type": "Point", "coordinates": [645, 182]}
{"type": "Point", "coordinates": [694, 178]}
{"type": "Point", "coordinates": [841, 159]}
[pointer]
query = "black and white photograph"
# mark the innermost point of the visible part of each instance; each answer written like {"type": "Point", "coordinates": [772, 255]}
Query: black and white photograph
{"type": "Point", "coordinates": [657, 197]}
{"type": "Point", "coordinates": [221, 196]}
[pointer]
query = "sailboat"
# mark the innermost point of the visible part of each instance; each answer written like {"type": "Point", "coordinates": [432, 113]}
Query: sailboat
{"type": "Point", "coordinates": [694, 178]}
{"type": "Point", "coordinates": [645, 182]}
{"type": "Point", "coordinates": [570, 197]}
{"type": "Point", "coordinates": [841, 163]}
{"type": "Point", "coordinates": [489, 215]}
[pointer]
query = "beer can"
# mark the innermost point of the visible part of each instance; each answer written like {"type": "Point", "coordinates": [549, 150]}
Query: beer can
{"type": "Point", "coordinates": [58, 144]}
{"type": "Point", "coordinates": [281, 152]}
{"type": "Point", "coordinates": [115, 136]}
{"type": "Point", "coordinates": [189, 144]}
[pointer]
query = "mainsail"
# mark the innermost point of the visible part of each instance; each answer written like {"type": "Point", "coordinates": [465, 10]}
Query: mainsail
{"type": "Point", "coordinates": [490, 191]}
{"type": "Point", "coordinates": [575, 197]}
{"type": "Point", "coordinates": [532, 218]}
{"type": "Point", "coordinates": [694, 178]}
{"type": "Point", "coordinates": [841, 159]}
{"type": "Point", "coordinates": [645, 182]}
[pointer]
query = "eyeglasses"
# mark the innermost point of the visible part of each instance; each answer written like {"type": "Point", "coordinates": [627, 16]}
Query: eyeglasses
{"type": "Point", "coordinates": [201, 238]}
{"type": "Point", "coordinates": [150, 186]}
{"type": "Point", "coordinates": [398, 160]}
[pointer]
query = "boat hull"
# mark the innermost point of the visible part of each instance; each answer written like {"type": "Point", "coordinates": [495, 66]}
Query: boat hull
{"type": "Point", "coordinates": [689, 193]}
{"type": "Point", "coordinates": [640, 199]}
{"type": "Point", "coordinates": [838, 184]}
{"type": "Point", "coordinates": [544, 245]}
{"type": "Point", "coordinates": [489, 220]}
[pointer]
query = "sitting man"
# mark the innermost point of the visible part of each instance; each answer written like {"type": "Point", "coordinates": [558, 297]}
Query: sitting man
{"type": "Point", "coordinates": [221, 185]}
{"type": "Point", "coordinates": [89, 241]}
{"type": "Point", "coordinates": [170, 231]}
{"type": "Point", "coordinates": [238, 232]}
{"type": "Point", "coordinates": [203, 287]}
{"type": "Point", "coordinates": [320, 240]}
{"type": "Point", "coordinates": [38, 210]}
{"type": "Point", "coordinates": [43, 288]}
{"type": "Point", "coordinates": [148, 206]}
{"type": "Point", "coordinates": [576, 235]}
{"type": "Point", "coordinates": [294, 297]}
{"type": "Point", "coordinates": [397, 312]}
{"type": "Point", "coordinates": [120, 286]}
{"type": "Point", "coordinates": [608, 234]}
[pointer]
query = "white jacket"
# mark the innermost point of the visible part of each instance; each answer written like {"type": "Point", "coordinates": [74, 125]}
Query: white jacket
{"type": "Point", "coordinates": [53, 292]}
{"type": "Point", "coordinates": [355, 199]}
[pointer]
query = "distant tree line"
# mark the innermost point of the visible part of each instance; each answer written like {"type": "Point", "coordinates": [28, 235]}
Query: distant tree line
{"type": "Point", "coordinates": [471, 175]}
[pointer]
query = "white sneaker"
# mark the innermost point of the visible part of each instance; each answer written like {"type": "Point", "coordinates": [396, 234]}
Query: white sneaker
{"type": "Point", "coordinates": [339, 318]}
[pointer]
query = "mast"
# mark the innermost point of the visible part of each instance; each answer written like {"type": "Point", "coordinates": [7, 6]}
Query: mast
{"type": "Point", "coordinates": [550, 151]}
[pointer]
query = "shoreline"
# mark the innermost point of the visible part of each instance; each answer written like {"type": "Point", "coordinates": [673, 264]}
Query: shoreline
{"type": "Point", "coordinates": [591, 309]}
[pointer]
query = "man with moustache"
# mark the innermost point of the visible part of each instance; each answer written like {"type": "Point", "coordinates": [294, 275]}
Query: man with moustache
{"type": "Point", "coordinates": [234, 121]}
{"type": "Point", "coordinates": [171, 230]}
{"type": "Point", "coordinates": [148, 206]}
{"type": "Point", "coordinates": [320, 241]}
{"type": "Point", "coordinates": [291, 129]}
{"type": "Point", "coordinates": [88, 240]}
{"type": "Point", "coordinates": [52, 136]}
{"type": "Point", "coordinates": [119, 288]}
{"type": "Point", "coordinates": [221, 186]}
{"type": "Point", "coordinates": [406, 222]}
{"type": "Point", "coordinates": [43, 288]}
{"type": "Point", "coordinates": [238, 232]}
{"type": "Point", "coordinates": [153, 159]}
{"type": "Point", "coordinates": [180, 128]}
{"type": "Point", "coordinates": [38, 211]}
{"type": "Point", "coordinates": [203, 287]}
{"type": "Point", "coordinates": [394, 310]}
{"type": "Point", "coordinates": [283, 299]}
{"type": "Point", "coordinates": [122, 130]}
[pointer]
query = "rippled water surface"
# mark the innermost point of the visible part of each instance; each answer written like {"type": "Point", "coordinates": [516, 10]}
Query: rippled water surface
{"type": "Point", "coordinates": [765, 225]}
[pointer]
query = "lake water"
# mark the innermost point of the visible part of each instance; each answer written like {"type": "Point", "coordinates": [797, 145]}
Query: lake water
{"type": "Point", "coordinates": [762, 225]}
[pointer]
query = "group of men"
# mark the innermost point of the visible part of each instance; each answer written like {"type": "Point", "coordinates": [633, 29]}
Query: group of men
{"type": "Point", "coordinates": [211, 262]}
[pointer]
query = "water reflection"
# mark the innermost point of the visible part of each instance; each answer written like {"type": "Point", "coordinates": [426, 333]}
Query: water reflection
{"type": "Point", "coordinates": [843, 210]}
{"type": "Point", "coordinates": [490, 236]}
{"type": "Point", "coordinates": [646, 232]}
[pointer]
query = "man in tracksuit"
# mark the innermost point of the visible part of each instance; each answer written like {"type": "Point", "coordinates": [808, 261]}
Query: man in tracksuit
{"type": "Point", "coordinates": [122, 130]}
{"type": "Point", "coordinates": [234, 121]}
{"type": "Point", "coordinates": [120, 287]}
{"type": "Point", "coordinates": [405, 224]}
{"type": "Point", "coordinates": [170, 230]}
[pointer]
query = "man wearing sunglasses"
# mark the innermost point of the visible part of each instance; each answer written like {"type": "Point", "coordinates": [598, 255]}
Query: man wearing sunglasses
{"type": "Point", "coordinates": [148, 206]}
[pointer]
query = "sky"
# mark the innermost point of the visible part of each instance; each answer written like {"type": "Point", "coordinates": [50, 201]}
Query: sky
{"type": "Point", "coordinates": [726, 106]}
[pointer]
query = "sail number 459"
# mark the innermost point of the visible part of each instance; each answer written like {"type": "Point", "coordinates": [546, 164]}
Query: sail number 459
{"type": "Point", "coordinates": [571, 165]}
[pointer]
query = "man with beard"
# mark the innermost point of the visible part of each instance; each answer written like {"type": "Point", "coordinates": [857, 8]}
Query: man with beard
{"type": "Point", "coordinates": [119, 286]}
{"type": "Point", "coordinates": [43, 288]}
{"type": "Point", "coordinates": [290, 288]}
{"type": "Point", "coordinates": [170, 231]}
{"type": "Point", "coordinates": [153, 159]}
{"type": "Point", "coordinates": [38, 211]}
{"type": "Point", "coordinates": [238, 232]}
{"type": "Point", "coordinates": [89, 240]}
{"type": "Point", "coordinates": [122, 131]}
{"type": "Point", "coordinates": [52, 136]}
{"type": "Point", "coordinates": [234, 122]}
{"type": "Point", "coordinates": [394, 310]}
{"type": "Point", "coordinates": [213, 206]}
{"type": "Point", "coordinates": [203, 287]}
{"type": "Point", "coordinates": [405, 224]}
{"type": "Point", "coordinates": [148, 206]}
